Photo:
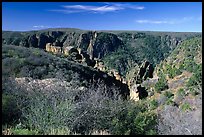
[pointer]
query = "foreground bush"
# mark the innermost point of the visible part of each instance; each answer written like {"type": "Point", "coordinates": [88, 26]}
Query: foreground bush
{"type": "Point", "coordinates": [74, 111]}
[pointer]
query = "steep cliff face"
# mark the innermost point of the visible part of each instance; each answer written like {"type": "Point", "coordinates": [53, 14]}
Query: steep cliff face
{"type": "Point", "coordinates": [105, 43]}
{"type": "Point", "coordinates": [96, 44]}
{"type": "Point", "coordinates": [136, 77]}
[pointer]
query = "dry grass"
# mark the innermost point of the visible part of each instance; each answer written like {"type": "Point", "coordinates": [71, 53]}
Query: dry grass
{"type": "Point", "coordinates": [100, 132]}
{"type": "Point", "coordinates": [7, 131]}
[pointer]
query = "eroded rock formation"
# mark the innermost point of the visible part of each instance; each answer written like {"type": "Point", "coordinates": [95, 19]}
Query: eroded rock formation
{"type": "Point", "coordinates": [54, 49]}
{"type": "Point", "coordinates": [137, 91]}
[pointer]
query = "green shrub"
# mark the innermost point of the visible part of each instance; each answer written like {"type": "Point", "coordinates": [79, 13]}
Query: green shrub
{"type": "Point", "coordinates": [169, 101]}
{"type": "Point", "coordinates": [168, 94]}
{"type": "Point", "coordinates": [185, 106]}
{"type": "Point", "coordinates": [46, 112]}
{"type": "Point", "coordinates": [181, 92]}
{"type": "Point", "coordinates": [190, 65]}
{"type": "Point", "coordinates": [196, 78]}
{"type": "Point", "coordinates": [24, 132]}
{"type": "Point", "coordinates": [153, 104]}
{"type": "Point", "coordinates": [144, 121]}
{"type": "Point", "coordinates": [173, 71]}
{"type": "Point", "coordinates": [10, 111]}
{"type": "Point", "coordinates": [193, 90]}
{"type": "Point", "coordinates": [161, 84]}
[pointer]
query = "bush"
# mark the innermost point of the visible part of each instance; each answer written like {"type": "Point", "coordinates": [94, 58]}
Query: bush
{"type": "Point", "coordinates": [196, 78]}
{"type": "Point", "coordinates": [82, 111]}
{"type": "Point", "coordinates": [161, 84]}
{"type": "Point", "coordinates": [185, 106]}
{"type": "Point", "coordinates": [46, 112]}
{"type": "Point", "coordinates": [169, 101]}
{"type": "Point", "coordinates": [145, 123]}
{"type": "Point", "coordinates": [153, 104]}
{"type": "Point", "coordinates": [10, 111]}
{"type": "Point", "coordinates": [181, 92]}
{"type": "Point", "coordinates": [193, 91]}
{"type": "Point", "coordinates": [23, 132]}
{"type": "Point", "coordinates": [168, 94]}
{"type": "Point", "coordinates": [173, 71]}
{"type": "Point", "coordinates": [144, 120]}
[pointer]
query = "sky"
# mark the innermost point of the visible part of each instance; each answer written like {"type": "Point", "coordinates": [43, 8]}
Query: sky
{"type": "Point", "coordinates": [141, 16]}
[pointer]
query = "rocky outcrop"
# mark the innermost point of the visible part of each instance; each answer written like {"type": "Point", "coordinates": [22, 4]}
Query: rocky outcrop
{"type": "Point", "coordinates": [116, 74]}
{"type": "Point", "coordinates": [95, 44]}
{"type": "Point", "coordinates": [68, 50]}
{"type": "Point", "coordinates": [54, 49]}
{"type": "Point", "coordinates": [113, 73]}
{"type": "Point", "coordinates": [98, 44]}
{"type": "Point", "coordinates": [99, 65]}
{"type": "Point", "coordinates": [146, 70]}
{"type": "Point", "coordinates": [137, 91]}
{"type": "Point", "coordinates": [90, 49]}
{"type": "Point", "coordinates": [140, 73]}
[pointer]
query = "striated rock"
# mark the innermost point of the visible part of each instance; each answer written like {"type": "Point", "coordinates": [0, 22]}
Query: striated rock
{"type": "Point", "coordinates": [98, 45]}
{"type": "Point", "coordinates": [145, 71]}
{"type": "Point", "coordinates": [84, 40]}
{"type": "Point", "coordinates": [105, 43]}
{"type": "Point", "coordinates": [54, 49]}
{"type": "Point", "coordinates": [33, 41]}
{"type": "Point", "coordinates": [90, 49]}
{"type": "Point", "coordinates": [42, 40]}
{"type": "Point", "coordinates": [140, 74]}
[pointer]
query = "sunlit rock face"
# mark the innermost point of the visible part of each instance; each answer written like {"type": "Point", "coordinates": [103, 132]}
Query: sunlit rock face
{"type": "Point", "coordinates": [142, 72]}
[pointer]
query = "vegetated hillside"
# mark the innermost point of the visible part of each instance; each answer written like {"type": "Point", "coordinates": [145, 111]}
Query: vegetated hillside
{"type": "Point", "coordinates": [49, 95]}
{"type": "Point", "coordinates": [178, 90]}
{"type": "Point", "coordinates": [141, 46]}
{"type": "Point", "coordinates": [184, 65]}
{"type": "Point", "coordinates": [37, 64]}
{"type": "Point", "coordinates": [119, 50]}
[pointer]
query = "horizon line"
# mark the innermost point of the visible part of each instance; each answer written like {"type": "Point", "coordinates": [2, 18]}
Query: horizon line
{"type": "Point", "coordinates": [99, 30]}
